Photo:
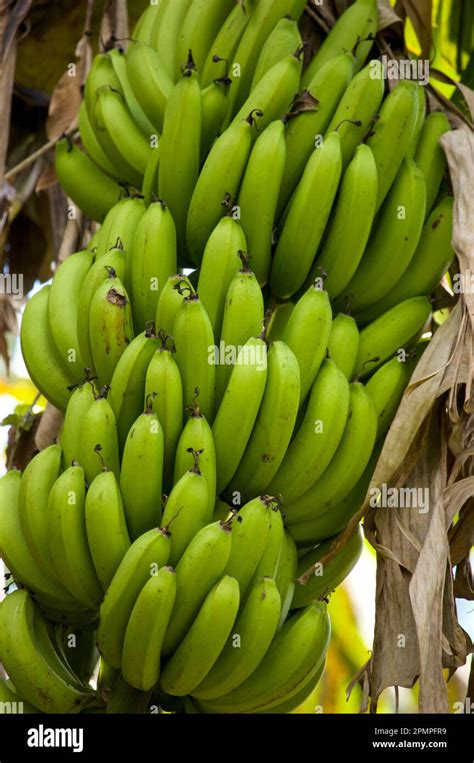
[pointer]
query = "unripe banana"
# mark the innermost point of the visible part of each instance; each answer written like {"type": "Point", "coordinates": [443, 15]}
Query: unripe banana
{"type": "Point", "coordinates": [358, 22]}
{"type": "Point", "coordinates": [197, 653]}
{"type": "Point", "coordinates": [91, 143]}
{"type": "Point", "coordinates": [68, 539]}
{"type": "Point", "coordinates": [10, 701]}
{"type": "Point", "coordinates": [146, 630]}
{"type": "Point", "coordinates": [250, 535]}
{"type": "Point", "coordinates": [247, 644]}
{"type": "Point", "coordinates": [358, 108]}
{"type": "Point", "coordinates": [307, 334]}
{"type": "Point", "coordinates": [141, 473]}
{"type": "Point", "coordinates": [429, 155]}
{"type": "Point", "coordinates": [225, 43]}
{"type": "Point", "coordinates": [107, 532]}
{"type": "Point", "coordinates": [393, 241]}
{"type": "Point", "coordinates": [86, 184]}
{"type": "Point", "coordinates": [119, 62]}
{"type": "Point", "coordinates": [274, 425]}
{"type": "Point", "coordinates": [279, 318]}
{"type": "Point", "coordinates": [386, 388]}
{"type": "Point", "coordinates": [351, 222]}
{"type": "Point", "coordinates": [274, 549]}
{"type": "Point", "coordinates": [218, 184]}
{"type": "Point", "coordinates": [45, 367]}
{"type": "Point", "coordinates": [343, 344]}
{"type": "Point", "coordinates": [99, 428]}
{"type": "Point", "coordinates": [186, 509]}
{"type": "Point", "coordinates": [200, 567]}
{"type": "Point", "coordinates": [318, 437]}
{"type": "Point", "coordinates": [218, 267]}
{"type": "Point", "coordinates": [197, 435]}
{"type": "Point", "coordinates": [293, 703]}
{"type": "Point", "coordinates": [200, 26]}
{"type": "Point", "coordinates": [392, 132]}
{"type": "Point", "coordinates": [431, 260]}
{"type": "Point", "coordinates": [128, 381]}
{"type": "Point", "coordinates": [63, 305]}
{"type": "Point", "coordinates": [242, 319]}
{"type": "Point", "coordinates": [327, 577]}
{"type": "Point", "coordinates": [180, 149]}
{"type": "Point", "coordinates": [347, 465]}
{"type": "Point", "coordinates": [150, 81]}
{"type": "Point", "coordinates": [110, 326]}
{"type": "Point", "coordinates": [392, 331]}
{"type": "Point", "coordinates": [81, 399]}
{"type": "Point", "coordinates": [150, 178]}
{"type": "Point", "coordinates": [238, 410]}
{"type": "Point", "coordinates": [120, 226]}
{"type": "Point", "coordinates": [144, 558]}
{"type": "Point", "coordinates": [153, 261]}
{"type": "Point", "coordinates": [320, 180]}
{"type": "Point", "coordinates": [100, 74]}
{"type": "Point", "coordinates": [285, 577]}
{"type": "Point", "coordinates": [258, 196]}
{"type": "Point", "coordinates": [283, 40]}
{"type": "Point", "coordinates": [309, 118]}
{"type": "Point", "coordinates": [214, 108]}
{"type": "Point", "coordinates": [166, 30]}
{"type": "Point", "coordinates": [168, 304]}
{"type": "Point", "coordinates": [293, 658]}
{"type": "Point", "coordinates": [420, 119]}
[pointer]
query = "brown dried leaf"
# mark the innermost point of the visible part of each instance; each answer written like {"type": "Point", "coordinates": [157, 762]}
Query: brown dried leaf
{"type": "Point", "coordinates": [388, 17]}
{"type": "Point", "coordinates": [47, 179]}
{"type": "Point", "coordinates": [8, 323]}
{"type": "Point", "coordinates": [419, 12]}
{"type": "Point", "coordinates": [114, 24]}
{"type": "Point", "coordinates": [49, 427]}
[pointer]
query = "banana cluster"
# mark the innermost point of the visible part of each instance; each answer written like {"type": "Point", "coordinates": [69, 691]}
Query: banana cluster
{"type": "Point", "coordinates": [229, 353]}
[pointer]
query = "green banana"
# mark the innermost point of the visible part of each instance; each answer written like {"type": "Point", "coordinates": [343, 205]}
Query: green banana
{"type": "Point", "coordinates": [150, 81]}
{"type": "Point", "coordinates": [420, 120]}
{"type": "Point", "coordinates": [150, 178]}
{"type": "Point", "coordinates": [168, 304]}
{"type": "Point", "coordinates": [45, 367]}
{"type": "Point", "coordinates": [180, 149]}
{"type": "Point", "coordinates": [343, 344]}
{"type": "Point", "coordinates": [275, 548]}
{"type": "Point", "coordinates": [143, 559]}
{"type": "Point", "coordinates": [242, 319]}
{"type": "Point", "coordinates": [357, 23]}
{"type": "Point", "coordinates": [238, 410]}
{"type": "Point", "coordinates": [274, 424]}
{"type": "Point", "coordinates": [106, 526]}
{"type": "Point", "coordinates": [146, 630]}
{"type": "Point", "coordinates": [218, 267]}
{"type": "Point", "coordinates": [120, 226]}
{"type": "Point", "coordinates": [63, 305]}
{"type": "Point", "coordinates": [393, 241]}
{"type": "Point", "coordinates": [81, 399]}
{"type": "Point", "coordinates": [431, 260]}
{"type": "Point", "coordinates": [307, 334]}
{"type": "Point", "coordinates": [429, 155]}
{"type": "Point", "coordinates": [283, 40]}
{"type": "Point", "coordinates": [98, 440]}
{"type": "Point", "coordinates": [141, 473]}
{"type": "Point", "coordinates": [391, 134]}
{"type": "Point", "coordinates": [299, 242]}
{"type": "Point", "coordinates": [280, 315]}
{"type": "Point", "coordinates": [292, 660]}
{"type": "Point", "coordinates": [10, 701]}
{"type": "Point", "coordinates": [392, 331]}
{"type": "Point", "coordinates": [197, 435]}
{"type": "Point", "coordinates": [119, 62]}
{"type": "Point", "coordinates": [247, 644]}
{"type": "Point", "coordinates": [258, 196]}
{"type": "Point", "coordinates": [358, 108]}
{"type": "Point", "coordinates": [86, 184]}
{"type": "Point", "coordinates": [90, 142]}
{"type": "Point", "coordinates": [165, 33]}
{"type": "Point", "coordinates": [327, 577]}
{"type": "Point", "coordinates": [214, 107]}
{"type": "Point", "coordinates": [351, 223]}
{"type": "Point", "coordinates": [225, 43]}
{"type": "Point", "coordinates": [152, 261]}
{"type": "Point", "coordinates": [186, 509]}
{"type": "Point", "coordinates": [199, 28]}
{"type": "Point", "coordinates": [192, 332]}
{"type": "Point", "coordinates": [100, 74]}
{"type": "Point", "coordinates": [110, 326]}
{"type": "Point", "coordinates": [67, 538]}
{"type": "Point", "coordinates": [386, 388]}
{"type": "Point", "coordinates": [250, 535]}
{"type": "Point", "coordinates": [347, 465]}
{"type": "Point", "coordinates": [200, 567]}
{"type": "Point", "coordinates": [318, 437]}
{"type": "Point", "coordinates": [197, 653]}
{"type": "Point", "coordinates": [293, 703]}
{"type": "Point", "coordinates": [285, 577]}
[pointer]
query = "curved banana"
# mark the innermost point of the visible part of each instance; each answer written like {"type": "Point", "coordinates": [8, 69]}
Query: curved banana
{"type": "Point", "coordinates": [238, 410]}
{"type": "Point", "coordinates": [67, 538]}
{"type": "Point", "coordinates": [200, 567]}
{"type": "Point", "coordinates": [10, 701]}
{"type": "Point", "coordinates": [197, 653]}
{"type": "Point", "coordinates": [258, 196]}
{"type": "Point", "coordinates": [98, 442]}
{"type": "Point", "coordinates": [285, 577]}
{"type": "Point", "coordinates": [386, 388]}
{"type": "Point", "coordinates": [347, 465]}
{"type": "Point", "coordinates": [146, 629]}
{"type": "Point", "coordinates": [150, 178]}
{"type": "Point", "coordinates": [168, 304]}
{"type": "Point", "coordinates": [143, 559]}
{"type": "Point", "coordinates": [106, 527]}
{"type": "Point", "coordinates": [223, 47]}
{"type": "Point", "coordinates": [214, 107]}
{"type": "Point", "coordinates": [242, 319]}
{"type": "Point", "coordinates": [165, 33]}
{"type": "Point", "coordinates": [91, 143]}
{"type": "Point", "coordinates": [110, 326]}
{"type": "Point", "coordinates": [199, 28]}
{"type": "Point", "coordinates": [141, 473]}
{"type": "Point", "coordinates": [274, 424]}
{"type": "Point", "coordinates": [250, 535]}
{"type": "Point", "coordinates": [429, 155]}
{"type": "Point", "coordinates": [298, 241]}
{"type": "Point", "coordinates": [280, 315]}
{"type": "Point", "coordinates": [283, 41]}
{"type": "Point", "coordinates": [316, 441]}
{"type": "Point", "coordinates": [120, 225]}
{"type": "Point", "coordinates": [45, 367]}
{"type": "Point", "coordinates": [392, 331]}
{"type": "Point", "coordinates": [343, 344]}
{"type": "Point", "coordinates": [100, 74]}
{"type": "Point", "coordinates": [186, 509]}
{"type": "Point", "coordinates": [420, 120]}
{"type": "Point", "coordinates": [351, 223]}
{"type": "Point", "coordinates": [274, 550]}
{"type": "Point", "coordinates": [70, 439]}
{"type": "Point", "coordinates": [119, 62]}
{"type": "Point", "coordinates": [294, 702]}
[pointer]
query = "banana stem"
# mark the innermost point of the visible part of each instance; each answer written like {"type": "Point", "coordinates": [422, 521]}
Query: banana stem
{"type": "Point", "coordinates": [125, 699]}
